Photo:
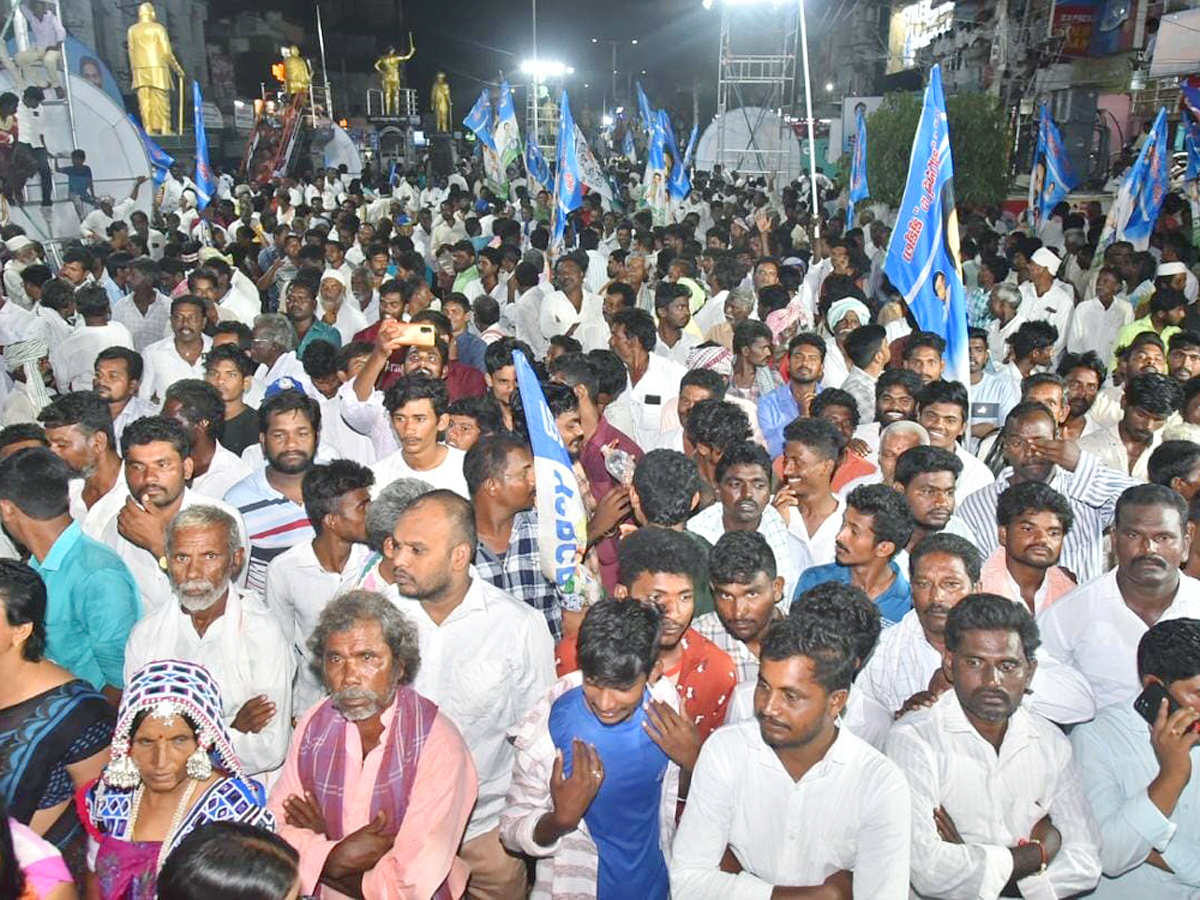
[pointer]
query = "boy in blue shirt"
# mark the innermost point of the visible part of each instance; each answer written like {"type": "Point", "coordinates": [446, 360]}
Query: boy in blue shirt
{"type": "Point", "coordinates": [79, 182]}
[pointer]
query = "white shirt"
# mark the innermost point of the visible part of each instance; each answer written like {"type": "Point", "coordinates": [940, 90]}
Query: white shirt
{"type": "Point", "coordinates": [975, 475]}
{"type": "Point", "coordinates": [145, 329]}
{"type": "Point", "coordinates": [246, 654]}
{"type": "Point", "coordinates": [998, 336]}
{"type": "Point", "coordinates": [485, 666]}
{"type": "Point", "coordinates": [659, 383]}
{"type": "Point", "coordinates": [163, 366]}
{"type": "Point", "coordinates": [712, 313]}
{"type": "Point", "coordinates": [526, 321]}
{"type": "Point", "coordinates": [135, 409]}
{"type": "Point", "coordinates": [151, 580]}
{"type": "Point", "coordinates": [30, 125]}
{"type": "Point", "coordinates": [1054, 306]}
{"type": "Point", "coordinates": [820, 542]}
{"type": "Point", "coordinates": [224, 471]}
{"type": "Point", "coordinates": [1106, 444]}
{"type": "Point", "coordinates": [849, 811]}
{"type": "Point", "coordinates": [339, 436]}
{"type": "Point", "coordinates": [238, 306]}
{"type": "Point", "coordinates": [995, 799]}
{"type": "Point", "coordinates": [682, 349]}
{"type": "Point", "coordinates": [74, 360]}
{"type": "Point", "coordinates": [904, 661]}
{"type": "Point", "coordinates": [298, 589]}
{"type": "Point", "coordinates": [14, 287]}
{"type": "Point", "coordinates": [288, 365]}
{"type": "Point", "coordinates": [1093, 630]}
{"type": "Point", "coordinates": [557, 315]}
{"type": "Point", "coordinates": [350, 319]}
{"type": "Point", "coordinates": [93, 519]}
{"type": "Point", "coordinates": [447, 474]}
{"type": "Point", "coordinates": [1095, 328]}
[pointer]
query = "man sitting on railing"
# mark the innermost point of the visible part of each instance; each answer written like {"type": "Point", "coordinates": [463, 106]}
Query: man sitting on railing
{"type": "Point", "coordinates": [46, 36]}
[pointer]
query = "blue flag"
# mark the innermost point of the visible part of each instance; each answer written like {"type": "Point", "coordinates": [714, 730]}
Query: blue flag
{"type": "Point", "coordinates": [1052, 177]}
{"type": "Point", "coordinates": [649, 120]}
{"type": "Point", "coordinates": [922, 255]}
{"type": "Point", "coordinates": [628, 148]}
{"type": "Point", "coordinates": [680, 183]}
{"type": "Point", "coordinates": [1191, 141]}
{"type": "Point", "coordinates": [1155, 184]}
{"type": "Point", "coordinates": [206, 184]}
{"type": "Point", "coordinates": [1191, 99]}
{"type": "Point", "coordinates": [568, 185]}
{"type": "Point", "coordinates": [562, 520]}
{"type": "Point", "coordinates": [859, 189]}
{"type": "Point", "coordinates": [479, 120]}
{"type": "Point", "coordinates": [507, 134]}
{"type": "Point", "coordinates": [691, 146]}
{"type": "Point", "coordinates": [160, 160]}
{"type": "Point", "coordinates": [536, 166]}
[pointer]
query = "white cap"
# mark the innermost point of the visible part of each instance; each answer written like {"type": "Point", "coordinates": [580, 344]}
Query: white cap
{"type": "Point", "coordinates": [1171, 268]}
{"type": "Point", "coordinates": [17, 243]}
{"type": "Point", "coordinates": [1046, 260]}
{"type": "Point", "coordinates": [334, 275]}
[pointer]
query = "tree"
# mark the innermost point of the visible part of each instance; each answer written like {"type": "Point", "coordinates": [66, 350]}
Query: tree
{"type": "Point", "coordinates": [979, 144]}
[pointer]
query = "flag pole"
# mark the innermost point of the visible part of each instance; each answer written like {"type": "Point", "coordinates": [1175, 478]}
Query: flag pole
{"type": "Point", "coordinates": [181, 102]}
{"type": "Point", "coordinates": [812, 144]}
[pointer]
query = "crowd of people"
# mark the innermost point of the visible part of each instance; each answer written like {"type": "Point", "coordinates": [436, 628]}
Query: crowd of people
{"type": "Point", "coordinates": [276, 621]}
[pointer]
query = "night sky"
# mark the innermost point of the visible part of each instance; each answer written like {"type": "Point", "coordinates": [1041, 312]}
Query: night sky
{"type": "Point", "coordinates": [677, 42]}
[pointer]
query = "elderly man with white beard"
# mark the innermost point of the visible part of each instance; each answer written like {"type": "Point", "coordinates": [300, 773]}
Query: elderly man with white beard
{"type": "Point", "coordinates": [231, 634]}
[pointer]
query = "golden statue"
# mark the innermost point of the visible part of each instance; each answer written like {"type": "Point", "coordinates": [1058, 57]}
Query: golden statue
{"type": "Point", "coordinates": [388, 67]}
{"type": "Point", "coordinates": [151, 63]}
{"type": "Point", "coordinates": [440, 101]}
{"type": "Point", "coordinates": [297, 74]}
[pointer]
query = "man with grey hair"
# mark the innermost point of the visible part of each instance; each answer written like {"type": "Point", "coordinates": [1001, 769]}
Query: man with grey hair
{"type": "Point", "coordinates": [1003, 304]}
{"type": "Point", "coordinates": [378, 784]}
{"type": "Point", "coordinates": [486, 657]}
{"type": "Point", "coordinates": [231, 634]}
{"type": "Point", "coordinates": [376, 573]}
{"type": "Point", "coordinates": [273, 347]}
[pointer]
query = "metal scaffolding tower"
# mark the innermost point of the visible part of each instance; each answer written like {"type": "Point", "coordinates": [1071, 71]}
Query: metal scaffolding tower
{"type": "Point", "coordinates": [765, 79]}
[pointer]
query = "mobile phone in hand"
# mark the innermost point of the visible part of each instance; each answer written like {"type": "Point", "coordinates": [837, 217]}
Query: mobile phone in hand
{"type": "Point", "coordinates": [1148, 702]}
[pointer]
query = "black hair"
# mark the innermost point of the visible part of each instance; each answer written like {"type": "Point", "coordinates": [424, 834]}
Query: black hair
{"type": "Point", "coordinates": [487, 457]}
{"type": "Point", "coordinates": [417, 386]}
{"type": "Point", "coordinates": [1088, 360]}
{"type": "Point", "coordinates": [991, 612]}
{"type": "Point", "coordinates": [945, 392]}
{"type": "Point", "coordinates": [905, 378]}
{"type": "Point", "coordinates": [951, 545]}
{"type": "Point", "coordinates": [566, 342]}
{"type": "Point", "coordinates": [1170, 650]}
{"type": "Point", "coordinates": [151, 430]}
{"type": "Point", "coordinates": [1024, 410]}
{"type": "Point", "coordinates": [1165, 299]}
{"type": "Point", "coordinates": [320, 359]}
{"type": "Point", "coordinates": [1032, 336]}
{"type": "Point", "coordinates": [245, 337]}
{"type": "Point", "coordinates": [666, 482]}
{"type": "Point", "coordinates": [230, 860]}
{"type": "Point", "coordinates": [834, 397]}
{"type": "Point", "coordinates": [717, 423]}
{"type": "Point", "coordinates": [35, 481]}
{"type": "Point", "coordinates": [24, 596]}
{"type": "Point", "coordinates": [1033, 496]}
{"type": "Point", "coordinates": [1155, 393]}
{"type": "Point", "coordinates": [199, 400]}
{"type": "Point", "coordinates": [747, 453]}
{"type": "Point", "coordinates": [288, 401]}
{"type": "Point", "coordinates": [1151, 495]}
{"type": "Point", "coordinates": [82, 408]}
{"type": "Point", "coordinates": [667, 292]}
{"type": "Point", "coordinates": [1038, 379]}
{"type": "Point", "coordinates": [637, 324]}
{"type": "Point", "coordinates": [705, 379]}
{"type": "Point", "coordinates": [12, 876]}
{"type": "Point", "coordinates": [847, 610]}
{"type": "Point", "coordinates": [610, 371]}
{"type": "Point", "coordinates": [323, 485]}
{"type": "Point", "coordinates": [1183, 339]}
{"type": "Point", "coordinates": [618, 643]}
{"type": "Point", "coordinates": [864, 342]}
{"type": "Point", "coordinates": [833, 654]}
{"type": "Point", "coordinates": [233, 354]}
{"type": "Point", "coordinates": [188, 300]}
{"type": "Point", "coordinates": [91, 300]}
{"type": "Point", "coordinates": [21, 432]}
{"type": "Point", "coordinates": [559, 398]}
{"type": "Point", "coordinates": [925, 459]}
{"type": "Point", "coordinates": [919, 339]}
{"type": "Point", "coordinates": [660, 550]}
{"type": "Point", "coordinates": [1171, 460]}
{"type": "Point", "coordinates": [807, 339]}
{"type": "Point", "coordinates": [819, 435]}
{"type": "Point", "coordinates": [746, 332]}
{"type": "Point", "coordinates": [890, 518]}
{"type": "Point", "coordinates": [977, 334]}
{"type": "Point", "coordinates": [738, 556]}
{"type": "Point", "coordinates": [500, 354]}
{"type": "Point", "coordinates": [575, 369]}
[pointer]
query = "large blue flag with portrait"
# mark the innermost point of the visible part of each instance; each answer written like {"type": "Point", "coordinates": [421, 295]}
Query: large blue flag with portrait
{"type": "Point", "coordinates": [568, 184]}
{"type": "Point", "coordinates": [859, 189]}
{"type": "Point", "coordinates": [479, 119]}
{"type": "Point", "coordinates": [923, 259]}
{"type": "Point", "coordinates": [206, 182]}
{"type": "Point", "coordinates": [1052, 176]}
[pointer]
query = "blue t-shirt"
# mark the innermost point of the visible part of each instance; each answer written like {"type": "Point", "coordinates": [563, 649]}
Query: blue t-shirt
{"type": "Point", "coordinates": [893, 603]}
{"type": "Point", "coordinates": [623, 817]}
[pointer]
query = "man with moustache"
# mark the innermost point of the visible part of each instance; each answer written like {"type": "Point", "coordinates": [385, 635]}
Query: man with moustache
{"type": "Point", "coordinates": [806, 366]}
{"type": "Point", "coordinates": [1096, 627]}
{"type": "Point", "coordinates": [997, 802]}
{"type": "Point", "coordinates": [1034, 519]}
{"type": "Point", "coordinates": [211, 623]}
{"type": "Point", "coordinates": [1084, 374]}
{"type": "Point", "coordinates": [925, 477]}
{"type": "Point", "coordinates": [116, 378]}
{"type": "Point", "coordinates": [1126, 446]}
{"type": "Point", "coordinates": [157, 468]}
{"type": "Point", "coordinates": [326, 807]}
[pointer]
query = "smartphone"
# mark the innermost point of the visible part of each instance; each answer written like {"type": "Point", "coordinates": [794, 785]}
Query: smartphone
{"type": "Point", "coordinates": [420, 334]}
{"type": "Point", "coordinates": [1151, 699]}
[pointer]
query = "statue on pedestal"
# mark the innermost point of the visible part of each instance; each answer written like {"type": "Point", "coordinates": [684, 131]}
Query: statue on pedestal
{"type": "Point", "coordinates": [440, 101]}
{"type": "Point", "coordinates": [151, 63]}
{"type": "Point", "coordinates": [297, 74]}
{"type": "Point", "coordinates": [388, 67]}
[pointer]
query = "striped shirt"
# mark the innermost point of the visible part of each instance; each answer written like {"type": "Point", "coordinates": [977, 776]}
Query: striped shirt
{"type": "Point", "coordinates": [273, 524]}
{"type": "Point", "coordinates": [1092, 490]}
{"type": "Point", "coordinates": [518, 572]}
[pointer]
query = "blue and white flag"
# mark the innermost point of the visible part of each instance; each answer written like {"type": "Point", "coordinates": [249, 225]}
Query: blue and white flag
{"type": "Point", "coordinates": [479, 120]}
{"type": "Point", "coordinates": [590, 171]}
{"type": "Point", "coordinates": [506, 134]}
{"type": "Point", "coordinates": [922, 255]}
{"type": "Point", "coordinates": [859, 189]}
{"type": "Point", "coordinates": [654, 183]}
{"type": "Point", "coordinates": [536, 166]}
{"type": "Point", "coordinates": [568, 184]}
{"type": "Point", "coordinates": [1191, 99]}
{"type": "Point", "coordinates": [206, 183]}
{"type": "Point", "coordinates": [691, 145]}
{"type": "Point", "coordinates": [160, 160]}
{"type": "Point", "coordinates": [649, 119]}
{"type": "Point", "coordinates": [628, 147]}
{"type": "Point", "coordinates": [1191, 142]}
{"type": "Point", "coordinates": [1135, 210]}
{"type": "Point", "coordinates": [1052, 177]}
{"type": "Point", "coordinates": [562, 519]}
{"type": "Point", "coordinates": [678, 184]}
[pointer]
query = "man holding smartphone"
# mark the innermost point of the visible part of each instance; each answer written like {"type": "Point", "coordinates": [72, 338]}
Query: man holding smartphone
{"type": "Point", "coordinates": [1136, 764]}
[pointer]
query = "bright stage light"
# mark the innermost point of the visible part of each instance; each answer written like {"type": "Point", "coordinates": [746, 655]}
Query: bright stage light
{"type": "Point", "coordinates": [606, 121]}
{"type": "Point", "coordinates": [544, 68]}
{"type": "Point", "coordinates": [829, 87]}
{"type": "Point", "coordinates": [709, 4]}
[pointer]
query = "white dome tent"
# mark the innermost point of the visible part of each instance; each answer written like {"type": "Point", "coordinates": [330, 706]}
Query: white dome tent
{"type": "Point", "coordinates": [756, 140]}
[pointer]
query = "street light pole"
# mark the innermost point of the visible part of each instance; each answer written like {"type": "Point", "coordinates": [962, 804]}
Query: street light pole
{"type": "Point", "coordinates": [812, 144]}
{"type": "Point", "coordinates": [534, 80]}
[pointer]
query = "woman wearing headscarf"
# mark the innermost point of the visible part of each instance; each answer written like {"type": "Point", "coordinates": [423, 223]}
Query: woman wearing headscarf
{"type": "Point", "coordinates": [172, 769]}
